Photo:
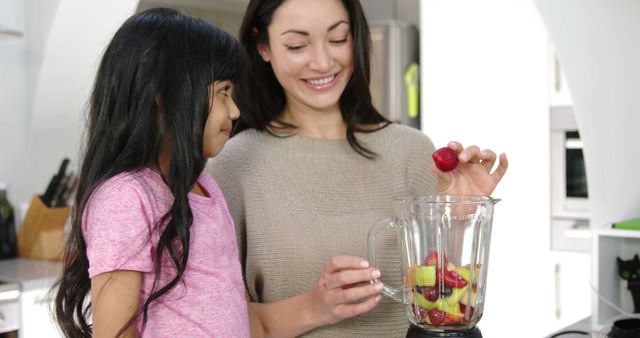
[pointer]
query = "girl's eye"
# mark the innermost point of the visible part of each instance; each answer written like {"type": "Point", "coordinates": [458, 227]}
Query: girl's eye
{"type": "Point", "coordinates": [225, 91]}
{"type": "Point", "coordinates": [298, 47]}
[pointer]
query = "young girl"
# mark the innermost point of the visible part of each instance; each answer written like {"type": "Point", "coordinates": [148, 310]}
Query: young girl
{"type": "Point", "coordinates": [152, 242]}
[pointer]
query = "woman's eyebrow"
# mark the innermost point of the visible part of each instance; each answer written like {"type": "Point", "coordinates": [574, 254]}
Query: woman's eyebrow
{"type": "Point", "coordinates": [305, 33]}
{"type": "Point", "coordinates": [295, 31]}
{"type": "Point", "coordinates": [336, 25]}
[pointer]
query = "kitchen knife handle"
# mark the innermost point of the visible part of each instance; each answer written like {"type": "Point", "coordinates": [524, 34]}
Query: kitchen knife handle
{"type": "Point", "coordinates": [51, 189]}
{"type": "Point", "coordinates": [53, 186]}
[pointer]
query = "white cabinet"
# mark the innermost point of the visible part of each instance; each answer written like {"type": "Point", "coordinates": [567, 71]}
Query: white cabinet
{"type": "Point", "coordinates": [571, 287]}
{"type": "Point", "coordinates": [36, 311]}
{"type": "Point", "coordinates": [607, 244]}
{"type": "Point", "coordinates": [34, 308]}
{"type": "Point", "coordinates": [559, 94]}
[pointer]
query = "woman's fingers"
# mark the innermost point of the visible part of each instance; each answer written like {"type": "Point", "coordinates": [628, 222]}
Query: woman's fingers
{"type": "Point", "coordinates": [470, 155]}
{"type": "Point", "coordinates": [455, 146]}
{"type": "Point", "coordinates": [350, 277]}
{"type": "Point", "coordinates": [488, 159]}
{"type": "Point", "coordinates": [338, 263]}
{"type": "Point", "coordinates": [473, 154]}
{"type": "Point", "coordinates": [344, 288]}
{"type": "Point", "coordinates": [351, 310]}
{"type": "Point", "coordinates": [501, 169]}
{"type": "Point", "coordinates": [354, 293]}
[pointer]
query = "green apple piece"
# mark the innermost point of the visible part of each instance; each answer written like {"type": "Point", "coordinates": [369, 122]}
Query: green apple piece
{"type": "Point", "coordinates": [425, 304]}
{"type": "Point", "coordinates": [456, 294]}
{"type": "Point", "coordinates": [465, 298]}
{"type": "Point", "coordinates": [426, 275]}
{"type": "Point", "coordinates": [448, 308]}
{"type": "Point", "coordinates": [465, 273]}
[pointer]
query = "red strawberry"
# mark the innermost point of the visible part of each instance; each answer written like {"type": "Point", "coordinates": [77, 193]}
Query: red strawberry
{"type": "Point", "coordinates": [445, 158]}
{"type": "Point", "coordinates": [463, 309]}
{"type": "Point", "coordinates": [453, 279]}
{"type": "Point", "coordinates": [432, 259]}
{"type": "Point", "coordinates": [436, 317]}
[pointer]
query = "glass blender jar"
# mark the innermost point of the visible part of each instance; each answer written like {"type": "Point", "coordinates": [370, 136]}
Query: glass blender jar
{"type": "Point", "coordinates": [444, 247]}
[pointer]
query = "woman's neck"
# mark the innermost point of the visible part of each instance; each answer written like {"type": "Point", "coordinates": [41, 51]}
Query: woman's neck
{"type": "Point", "coordinates": [314, 123]}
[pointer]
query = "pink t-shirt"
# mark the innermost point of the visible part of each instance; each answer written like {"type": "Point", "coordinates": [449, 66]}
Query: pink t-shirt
{"type": "Point", "coordinates": [119, 229]}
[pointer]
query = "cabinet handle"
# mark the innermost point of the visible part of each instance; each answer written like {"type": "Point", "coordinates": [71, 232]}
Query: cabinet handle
{"type": "Point", "coordinates": [558, 303]}
{"type": "Point", "coordinates": [557, 75]}
{"type": "Point", "coordinates": [2, 320]}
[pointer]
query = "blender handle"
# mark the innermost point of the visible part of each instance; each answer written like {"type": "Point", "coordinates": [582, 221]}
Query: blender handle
{"type": "Point", "coordinates": [383, 225]}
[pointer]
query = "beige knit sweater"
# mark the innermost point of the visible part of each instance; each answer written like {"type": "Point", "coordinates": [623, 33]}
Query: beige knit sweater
{"type": "Point", "coordinates": [298, 201]}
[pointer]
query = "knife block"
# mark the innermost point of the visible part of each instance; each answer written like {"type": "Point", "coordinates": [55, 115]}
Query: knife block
{"type": "Point", "coordinates": [40, 235]}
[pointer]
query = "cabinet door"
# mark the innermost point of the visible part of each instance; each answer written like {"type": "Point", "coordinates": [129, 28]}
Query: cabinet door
{"type": "Point", "coordinates": [36, 310]}
{"type": "Point", "coordinates": [572, 287]}
{"type": "Point", "coordinates": [559, 94]}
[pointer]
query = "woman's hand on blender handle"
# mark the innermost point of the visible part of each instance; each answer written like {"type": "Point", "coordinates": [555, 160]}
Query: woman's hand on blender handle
{"type": "Point", "coordinates": [344, 290]}
{"type": "Point", "coordinates": [473, 175]}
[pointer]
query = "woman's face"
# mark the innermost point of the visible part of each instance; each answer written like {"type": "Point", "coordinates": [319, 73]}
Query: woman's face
{"type": "Point", "coordinates": [223, 110]}
{"type": "Point", "coordinates": [310, 51]}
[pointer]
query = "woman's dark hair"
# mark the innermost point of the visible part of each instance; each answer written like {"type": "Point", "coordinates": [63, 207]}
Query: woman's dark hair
{"type": "Point", "coordinates": [261, 98]}
{"type": "Point", "coordinates": [151, 91]}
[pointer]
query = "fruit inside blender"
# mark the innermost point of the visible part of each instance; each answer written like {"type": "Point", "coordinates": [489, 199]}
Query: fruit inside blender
{"type": "Point", "coordinates": [443, 294]}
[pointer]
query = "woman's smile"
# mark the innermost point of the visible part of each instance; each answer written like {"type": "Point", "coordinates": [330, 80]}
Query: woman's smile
{"type": "Point", "coordinates": [322, 83]}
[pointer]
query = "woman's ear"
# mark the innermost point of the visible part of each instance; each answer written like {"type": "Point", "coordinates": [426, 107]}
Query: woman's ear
{"type": "Point", "coordinates": [263, 49]}
{"type": "Point", "coordinates": [264, 52]}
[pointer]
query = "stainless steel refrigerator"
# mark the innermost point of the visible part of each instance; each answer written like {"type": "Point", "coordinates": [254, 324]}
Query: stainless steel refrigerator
{"type": "Point", "coordinates": [395, 82]}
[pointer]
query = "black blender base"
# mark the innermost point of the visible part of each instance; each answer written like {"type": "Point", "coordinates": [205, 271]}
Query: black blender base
{"type": "Point", "coordinates": [416, 332]}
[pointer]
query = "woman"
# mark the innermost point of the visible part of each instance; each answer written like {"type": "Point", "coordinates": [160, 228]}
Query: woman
{"type": "Point", "coordinates": [313, 166]}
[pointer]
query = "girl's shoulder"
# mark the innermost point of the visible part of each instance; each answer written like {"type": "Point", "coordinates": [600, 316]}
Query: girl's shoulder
{"type": "Point", "coordinates": [136, 185]}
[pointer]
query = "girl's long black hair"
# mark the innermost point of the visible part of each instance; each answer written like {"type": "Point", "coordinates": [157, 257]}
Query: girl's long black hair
{"type": "Point", "coordinates": [151, 89]}
{"type": "Point", "coordinates": [261, 98]}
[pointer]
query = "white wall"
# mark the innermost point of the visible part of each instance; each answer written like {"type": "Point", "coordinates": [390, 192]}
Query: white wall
{"type": "Point", "coordinates": [45, 82]}
{"type": "Point", "coordinates": [484, 81]}
{"type": "Point", "coordinates": [598, 44]}
{"type": "Point", "coordinates": [13, 101]}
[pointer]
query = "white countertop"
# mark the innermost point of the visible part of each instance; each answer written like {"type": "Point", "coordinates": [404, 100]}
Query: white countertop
{"type": "Point", "coordinates": [29, 273]}
{"type": "Point", "coordinates": [583, 325]}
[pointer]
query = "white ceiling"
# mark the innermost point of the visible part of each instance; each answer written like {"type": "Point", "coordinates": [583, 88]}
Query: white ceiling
{"type": "Point", "coordinates": [214, 5]}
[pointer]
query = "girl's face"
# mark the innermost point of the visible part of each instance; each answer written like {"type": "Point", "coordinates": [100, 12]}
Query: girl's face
{"type": "Point", "coordinates": [217, 129]}
{"type": "Point", "coordinates": [310, 51]}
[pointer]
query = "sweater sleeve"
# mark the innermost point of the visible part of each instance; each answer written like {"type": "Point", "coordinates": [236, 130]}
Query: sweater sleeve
{"type": "Point", "coordinates": [224, 168]}
{"type": "Point", "coordinates": [420, 179]}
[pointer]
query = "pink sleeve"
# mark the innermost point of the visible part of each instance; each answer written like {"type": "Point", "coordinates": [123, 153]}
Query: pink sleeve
{"type": "Point", "coordinates": [117, 225]}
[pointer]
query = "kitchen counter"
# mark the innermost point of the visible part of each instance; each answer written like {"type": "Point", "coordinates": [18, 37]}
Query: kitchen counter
{"type": "Point", "coordinates": [583, 325]}
{"type": "Point", "coordinates": [32, 310]}
{"type": "Point", "coordinates": [29, 273]}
